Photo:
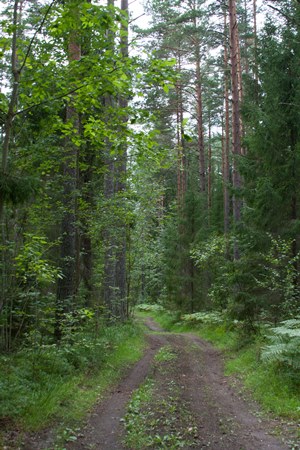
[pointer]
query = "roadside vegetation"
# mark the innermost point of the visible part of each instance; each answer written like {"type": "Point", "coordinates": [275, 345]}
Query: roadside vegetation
{"type": "Point", "coordinates": [56, 385]}
{"type": "Point", "coordinates": [266, 361]}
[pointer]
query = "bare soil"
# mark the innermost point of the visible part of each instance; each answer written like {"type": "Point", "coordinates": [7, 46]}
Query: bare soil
{"type": "Point", "coordinates": [221, 418]}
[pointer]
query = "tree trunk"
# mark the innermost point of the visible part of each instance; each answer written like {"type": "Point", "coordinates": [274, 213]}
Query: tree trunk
{"type": "Point", "coordinates": [86, 178]}
{"type": "Point", "coordinates": [66, 288]}
{"type": "Point", "coordinates": [255, 39]}
{"type": "Point", "coordinates": [86, 267]}
{"type": "Point", "coordinates": [181, 175]}
{"type": "Point", "coordinates": [115, 283]}
{"type": "Point", "coordinates": [226, 138]}
{"type": "Point", "coordinates": [200, 120]}
{"type": "Point", "coordinates": [108, 237]}
{"type": "Point", "coordinates": [8, 125]}
{"type": "Point", "coordinates": [199, 109]}
{"type": "Point", "coordinates": [121, 188]}
{"type": "Point", "coordinates": [179, 149]}
{"type": "Point", "coordinates": [209, 185]}
{"type": "Point", "coordinates": [109, 194]}
{"type": "Point", "coordinates": [236, 115]}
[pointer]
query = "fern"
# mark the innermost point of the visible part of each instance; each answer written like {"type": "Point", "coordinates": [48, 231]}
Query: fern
{"type": "Point", "coordinates": [145, 307]}
{"type": "Point", "coordinates": [203, 317]}
{"type": "Point", "coordinates": [284, 346]}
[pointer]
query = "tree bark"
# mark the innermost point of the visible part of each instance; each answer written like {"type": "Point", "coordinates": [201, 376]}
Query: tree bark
{"type": "Point", "coordinates": [181, 173]}
{"type": "Point", "coordinates": [236, 114]}
{"type": "Point", "coordinates": [201, 147]}
{"type": "Point", "coordinates": [255, 39]}
{"type": "Point", "coordinates": [209, 185]}
{"type": "Point", "coordinates": [121, 284]}
{"type": "Point", "coordinates": [85, 259]}
{"type": "Point", "coordinates": [109, 194]}
{"type": "Point", "coordinates": [115, 279]}
{"type": "Point", "coordinates": [199, 104]}
{"type": "Point", "coordinates": [226, 138]}
{"type": "Point", "coordinates": [8, 123]}
{"type": "Point", "coordinates": [66, 287]}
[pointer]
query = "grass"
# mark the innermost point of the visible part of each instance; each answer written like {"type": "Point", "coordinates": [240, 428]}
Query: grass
{"type": "Point", "coordinates": [157, 416]}
{"type": "Point", "coordinates": [270, 386]}
{"type": "Point", "coordinates": [90, 388]}
{"type": "Point", "coordinates": [165, 354]}
{"type": "Point", "coordinates": [50, 386]}
{"type": "Point", "coordinates": [137, 436]}
{"type": "Point", "coordinates": [273, 388]}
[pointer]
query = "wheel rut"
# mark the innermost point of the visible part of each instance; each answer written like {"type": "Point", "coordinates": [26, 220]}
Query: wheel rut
{"type": "Point", "coordinates": [221, 418]}
{"type": "Point", "coordinates": [104, 428]}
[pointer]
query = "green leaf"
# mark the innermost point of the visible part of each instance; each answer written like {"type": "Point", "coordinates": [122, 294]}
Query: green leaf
{"type": "Point", "coordinates": [187, 137]}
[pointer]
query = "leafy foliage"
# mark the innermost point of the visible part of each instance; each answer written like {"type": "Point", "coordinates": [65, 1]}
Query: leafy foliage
{"type": "Point", "coordinates": [31, 266]}
{"type": "Point", "coordinates": [280, 273]}
{"type": "Point", "coordinates": [284, 347]}
{"type": "Point", "coordinates": [202, 317]}
{"type": "Point", "coordinates": [18, 189]}
{"type": "Point", "coordinates": [150, 307]}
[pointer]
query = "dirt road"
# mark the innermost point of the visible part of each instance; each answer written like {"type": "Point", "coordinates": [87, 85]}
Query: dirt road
{"type": "Point", "coordinates": [192, 406]}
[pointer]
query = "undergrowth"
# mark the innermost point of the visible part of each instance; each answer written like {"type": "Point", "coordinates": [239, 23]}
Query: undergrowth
{"type": "Point", "coordinates": [60, 383]}
{"type": "Point", "coordinates": [260, 360]}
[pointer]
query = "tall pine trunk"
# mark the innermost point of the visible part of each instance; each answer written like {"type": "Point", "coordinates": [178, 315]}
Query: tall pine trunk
{"type": "Point", "coordinates": [236, 87]}
{"type": "Point", "coordinates": [209, 180]}
{"type": "Point", "coordinates": [255, 39]}
{"type": "Point", "coordinates": [201, 147]}
{"type": "Point", "coordinates": [226, 136]}
{"type": "Point", "coordinates": [181, 169]}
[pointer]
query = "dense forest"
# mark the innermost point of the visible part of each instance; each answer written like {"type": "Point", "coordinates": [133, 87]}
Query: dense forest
{"type": "Point", "coordinates": [150, 161]}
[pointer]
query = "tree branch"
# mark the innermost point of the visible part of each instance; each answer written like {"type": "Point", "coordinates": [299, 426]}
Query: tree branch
{"type": "Point", "coordinates": [136, 18]}
{"type": "Point", "coordinates": [53, 99]}
{"type": "Point", "coordinates": [35, 34]}
{"type": "Point", "coordinates": [14, 57]}
{"type": "Point", "coordinates": [291, 19]}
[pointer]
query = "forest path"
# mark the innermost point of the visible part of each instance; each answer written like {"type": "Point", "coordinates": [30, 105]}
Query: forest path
{"type": "Point", "coordinates": [193, 405]}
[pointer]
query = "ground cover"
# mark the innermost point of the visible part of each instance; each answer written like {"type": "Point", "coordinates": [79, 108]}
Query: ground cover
{"type": "Point", "coordinates": [46, 392]}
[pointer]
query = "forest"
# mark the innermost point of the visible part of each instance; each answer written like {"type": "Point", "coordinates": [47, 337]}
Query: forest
{"type": "Point", "coordinates": [150, 164]}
